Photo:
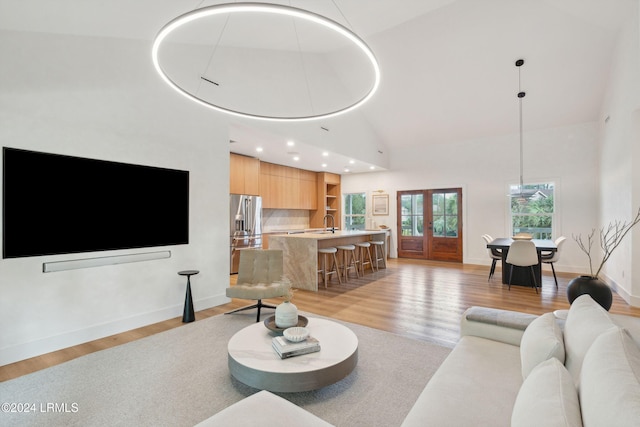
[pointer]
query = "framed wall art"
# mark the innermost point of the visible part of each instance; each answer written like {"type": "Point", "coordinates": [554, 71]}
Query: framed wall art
{"type": "Point", "coordinates": [380, 204]}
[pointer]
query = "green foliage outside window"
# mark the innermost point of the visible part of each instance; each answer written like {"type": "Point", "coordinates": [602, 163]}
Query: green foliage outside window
{"type": "Point", "coordinates": [412, 219]}
{"type": "Point", "coordinates": [355, 208]}
{"type": "Point", "coordinates": [532, 210]}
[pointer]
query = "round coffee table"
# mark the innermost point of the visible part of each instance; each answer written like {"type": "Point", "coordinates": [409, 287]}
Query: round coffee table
{"type": "Point", "coordinates": [255, 363]}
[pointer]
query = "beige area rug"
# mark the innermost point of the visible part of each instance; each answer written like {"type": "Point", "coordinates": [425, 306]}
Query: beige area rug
{"type": "Point", "coordinates": [180, 377]}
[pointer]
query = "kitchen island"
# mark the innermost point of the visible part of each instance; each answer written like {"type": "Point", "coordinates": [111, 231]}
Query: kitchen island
{"type": "Point", "coordinates": [301, 251]}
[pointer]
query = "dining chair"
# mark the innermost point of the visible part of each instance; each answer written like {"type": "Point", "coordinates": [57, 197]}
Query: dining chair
{"type": "Point", "coordinates": [551, 257]}
{"type": "Point", "coordinates": [494, 254]}
{"type": "Point", "coordinates": [523, 253]}
{"type": "Point", "coordinates": [259, 276]}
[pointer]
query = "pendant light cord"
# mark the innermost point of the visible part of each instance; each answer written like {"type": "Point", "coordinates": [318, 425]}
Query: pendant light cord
{"type": "Point", "coordinates": [521, 95]}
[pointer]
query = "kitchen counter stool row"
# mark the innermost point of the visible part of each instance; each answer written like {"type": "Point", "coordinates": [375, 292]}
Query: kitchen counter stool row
{"type": "Point", "coordinates": [342, 259]}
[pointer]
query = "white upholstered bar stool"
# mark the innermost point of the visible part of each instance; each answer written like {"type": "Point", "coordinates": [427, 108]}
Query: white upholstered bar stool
{"type": "Point", "coordinates": [348, 260]}
{"type": "Point", "coordinates": [324, 253]}
{"type": "Point", "coordinates": [378, 253]}
{"type": "Point", "coordinates": [364, 250]}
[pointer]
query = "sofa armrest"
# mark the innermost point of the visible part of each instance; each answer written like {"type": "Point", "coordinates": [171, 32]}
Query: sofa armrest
{"type": "Point", "coordinates": [499, 325]}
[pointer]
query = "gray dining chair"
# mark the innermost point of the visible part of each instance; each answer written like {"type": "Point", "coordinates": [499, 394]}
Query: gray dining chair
{"type": "Point", "coordinates": [523, 253]}
{"type": "Point", "coordinates": [552, 257]}
{"type": "Point", "coordinates": [494, 254]}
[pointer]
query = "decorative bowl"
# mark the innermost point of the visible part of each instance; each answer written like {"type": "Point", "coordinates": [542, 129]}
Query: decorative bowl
{"type": "Point", "coordinates": [270, 323]}
{"type": "Point", "coordinates": [522, 236]}
{"type": "Point", "coordinates": [296, 334]}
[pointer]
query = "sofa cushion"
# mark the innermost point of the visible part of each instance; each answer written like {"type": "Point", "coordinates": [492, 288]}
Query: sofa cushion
{"type": "Point", "coordinates": [548, 397]}
{"type": "Point", "coordinates": [476, 385]}
{"type": "Point", "coordinates": [263, 409]}
{"type": "Point", "coordinates": [585, 322]}
{"type": "Point", "coordinates": [541, 340]}
{"type": "Point", "coordinates": [610, 381]}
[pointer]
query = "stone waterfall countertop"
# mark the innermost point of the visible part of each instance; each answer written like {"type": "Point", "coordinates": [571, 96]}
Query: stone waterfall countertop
{"type": "Point", "coordinates": [301, 251]}
{"type": "Point", "coordinates": [322, 235]}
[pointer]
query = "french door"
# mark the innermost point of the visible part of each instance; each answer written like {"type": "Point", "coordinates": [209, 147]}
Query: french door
{"type": "Point", "coordinates": [430, 224]}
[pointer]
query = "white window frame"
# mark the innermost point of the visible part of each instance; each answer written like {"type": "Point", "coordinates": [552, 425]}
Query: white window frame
{"type": "Point", "coordinates": [346, 215]}
{"type": "Point", "coordinates": [554, 214]}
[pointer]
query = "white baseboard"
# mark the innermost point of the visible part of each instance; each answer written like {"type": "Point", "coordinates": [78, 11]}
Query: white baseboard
{"type": "Point", "coordinates": [632, 300]}
{"type": "Point", "coordinates": [18, 352]}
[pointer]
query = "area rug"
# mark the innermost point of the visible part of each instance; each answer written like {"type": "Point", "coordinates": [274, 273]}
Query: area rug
{"type": "Point", "coordinates": [180, 377]}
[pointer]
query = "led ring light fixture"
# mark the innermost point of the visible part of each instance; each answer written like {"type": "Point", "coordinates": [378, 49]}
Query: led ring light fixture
{"type": "Point", "coordinates": [273, 9]}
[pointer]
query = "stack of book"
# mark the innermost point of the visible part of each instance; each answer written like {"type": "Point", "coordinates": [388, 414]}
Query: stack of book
{"type": "Point", "coordinates": [286, 348]}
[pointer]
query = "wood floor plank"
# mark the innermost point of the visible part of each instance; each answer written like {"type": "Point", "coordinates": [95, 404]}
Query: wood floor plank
{"type": "Point", "coordinates": [414, 298]}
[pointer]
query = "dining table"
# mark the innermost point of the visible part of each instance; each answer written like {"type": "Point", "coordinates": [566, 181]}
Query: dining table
{"type": "Point", "coordinates": [522, 275]}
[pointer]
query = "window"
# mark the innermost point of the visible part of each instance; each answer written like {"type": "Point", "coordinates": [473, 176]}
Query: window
{"type": "Point", "coordinates": [532, 209]}
{"type": "Point", "coordinates": [412, 214]}
{"type": "Point", "coordinates": [445, 214]}
{"type": "Point", "coordinates": [355, 208]}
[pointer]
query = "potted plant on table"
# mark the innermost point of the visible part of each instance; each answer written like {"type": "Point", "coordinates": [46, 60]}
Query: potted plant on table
{"type": "Point", "coordinates": [610, 238]}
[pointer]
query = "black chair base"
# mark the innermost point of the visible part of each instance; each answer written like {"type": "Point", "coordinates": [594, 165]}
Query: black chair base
{"type": "Point", "coordinates": [257, 305]}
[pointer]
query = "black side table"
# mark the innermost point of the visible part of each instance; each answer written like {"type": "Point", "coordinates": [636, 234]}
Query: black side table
{"type": "Point", "coordinates": [188, 314]}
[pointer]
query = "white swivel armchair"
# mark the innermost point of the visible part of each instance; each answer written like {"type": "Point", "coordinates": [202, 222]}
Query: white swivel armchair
{"type": "Point", "coordinates": [523, 253]}
{"type": "Point", "coordinates": [259, 277]}
{"type": "Point", "coordinates": [551, 257]}
{"type": "Point", "coordinates": [494, 254]}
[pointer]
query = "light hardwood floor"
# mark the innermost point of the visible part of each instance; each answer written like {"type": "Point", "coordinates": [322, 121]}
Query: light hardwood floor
{"type": "Point", "coordinates": [413, 298]}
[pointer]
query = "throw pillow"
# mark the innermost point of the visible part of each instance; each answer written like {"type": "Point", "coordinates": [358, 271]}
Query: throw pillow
{"type": "Point", "coordinates": [586, 320]}
{"type": "Point", "coordinates": [610, 381]}
{"type": "Point", "coordinates": [541, 340]}
{"type": "Point", "coordinates": [547, 398]}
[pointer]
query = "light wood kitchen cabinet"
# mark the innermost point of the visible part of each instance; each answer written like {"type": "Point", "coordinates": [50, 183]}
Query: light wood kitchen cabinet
{"type": "Point", "coordinates": [283, 187]}
{"type": "Point", "coordinates": [244, 175]}
{"type": "Point", "coordinates": [308, 190]}
{"type": "Point", "coordinates": [329, 200]}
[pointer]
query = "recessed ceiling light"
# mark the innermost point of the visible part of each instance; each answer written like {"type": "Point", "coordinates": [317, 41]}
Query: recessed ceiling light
{"type": "Point", "coordinates": [372, 167]}
{"type": "Point", "coordinates": [346, 169]}
{"type": "Point", "coordinates": [324, 165]}
{"type": "Point", "coordinates": [259, 149]}
{"type": "Point", "coordinates": [325, 153]}
{"type": "Point", "coordinates": [291, 143]}
{"type": "Point", "coordinates": [351, 162]}
{"type": "Point", "coordinates": [296, 158]}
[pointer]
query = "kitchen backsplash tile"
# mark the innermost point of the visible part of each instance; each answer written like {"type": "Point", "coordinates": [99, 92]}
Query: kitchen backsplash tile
{"type": "Point", "coordinates": [274, 220]}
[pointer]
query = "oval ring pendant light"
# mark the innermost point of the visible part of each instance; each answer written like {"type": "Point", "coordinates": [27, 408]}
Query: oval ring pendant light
{"type": "Point", "coordinates": [266, 8]}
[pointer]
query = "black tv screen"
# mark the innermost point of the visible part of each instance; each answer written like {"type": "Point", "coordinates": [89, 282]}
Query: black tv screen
{"type": "Point", "coordinates": [57, 204]}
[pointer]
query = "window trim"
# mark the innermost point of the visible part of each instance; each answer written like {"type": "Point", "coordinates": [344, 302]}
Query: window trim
{"type": "Point", "coordinates": [555, 226]}
{"type": "Point", "coordinates": [345, 215]}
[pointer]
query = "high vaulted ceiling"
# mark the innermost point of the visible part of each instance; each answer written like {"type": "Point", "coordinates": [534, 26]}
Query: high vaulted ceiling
{"type": "Point", "coordinates": [447, 66]}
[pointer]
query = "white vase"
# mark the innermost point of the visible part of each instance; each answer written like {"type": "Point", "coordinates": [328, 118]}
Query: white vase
{"type": "Point", "coordinates": [286, 315]}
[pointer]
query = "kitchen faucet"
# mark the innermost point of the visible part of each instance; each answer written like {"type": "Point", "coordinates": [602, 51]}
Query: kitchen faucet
{"type": "Point", "coordinates": [326, 223]}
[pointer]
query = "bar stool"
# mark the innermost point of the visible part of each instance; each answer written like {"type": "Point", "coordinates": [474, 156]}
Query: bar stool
{"type": "Point", "coordinates": [348, 260]}
{"type": "Point", "coordinates": [378, 246]}
{"type": "Point", "coordinates": [334, 265]}
{"type": "Point", "coordinates": [364, 249]}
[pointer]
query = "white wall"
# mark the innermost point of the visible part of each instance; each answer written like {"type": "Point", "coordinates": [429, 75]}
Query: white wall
{"type": "Point", "coordinates": [620, 155]}
{"type": "Point", "coordinates": [100, 98]}
{"type": "Point", "coordinates": [484, 168]}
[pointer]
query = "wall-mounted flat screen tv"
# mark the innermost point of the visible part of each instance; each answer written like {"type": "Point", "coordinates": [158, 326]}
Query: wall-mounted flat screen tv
{"type": "Point", "coordinates": [57, 204]}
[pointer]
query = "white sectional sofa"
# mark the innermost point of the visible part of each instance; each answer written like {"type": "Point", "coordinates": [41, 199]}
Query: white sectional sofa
{"type": "Point", "coordinates": [512, 368]}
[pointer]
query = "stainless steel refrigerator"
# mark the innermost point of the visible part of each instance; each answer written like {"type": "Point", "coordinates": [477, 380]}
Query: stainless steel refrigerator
{"type": "Point", "coordinates": [245, 226]}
